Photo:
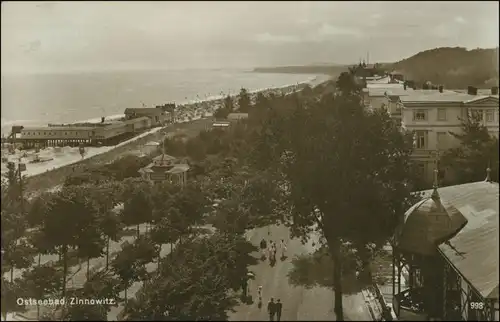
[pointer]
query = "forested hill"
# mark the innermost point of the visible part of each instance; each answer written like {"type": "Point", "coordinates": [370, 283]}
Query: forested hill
{"type": "Point", "coordinates": [453, 67]}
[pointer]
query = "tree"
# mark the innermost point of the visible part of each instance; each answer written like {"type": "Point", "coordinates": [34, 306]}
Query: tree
{"type": "Point", "coordinates": [228, 104]}
{"type": "Point", "coordinates": [332, 154]}
{"type": "Point", "coordinates": [138, 205]}
{"type": "Point", "coordinates": [244, 102]}
{"type": "Point", "coordinates": [230, 218]}
{"type": "Point", "coordinates": [477, 151]}
{"type": "Point", "coordinates": [223, 111]}
{"type": "Point", "coordinates": [41, 283]}
{"type": "Point", "coordinates": [17, 254]}
{"type": "Point", "coordinates": [128, 166]}
{"type": "Point", "coordinates": [347, 84]}
{"type": "Point", "coordinates": [163, 233]}
{"type": "Point", "coordinates": [195, 149]}
{"type": "Point", "coordinates": [307, 91]}
{"type": "Point", "coordinates": [100, 291]}
{"type": "Point", "coordinates": [261, 101]}
{"type": "Point", "coordinates": [108, 197]}
{"type": "Point", "coordinates": [127, 266]}
{"type": "Point", "coordinates": [11, 291]}
{"type": "Point", "coordinates": [195, 286]}
{"type": "Point", "coordinates": [69, 213]}
{"type": "Point", "coordinates": [174, 146]}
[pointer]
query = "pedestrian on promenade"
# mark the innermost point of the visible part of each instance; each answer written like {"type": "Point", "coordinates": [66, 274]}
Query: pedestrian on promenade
{"type": "Point", "coordinates": [263, 248]}
{"type": "Point", "coordinates": [263, 244]}
{"type": "Point", "coordinates": [259, 304]}
{"type": "Point", "coordinates": [283, 249]}
{"type": "Point", "coordinates": [271, 309]}
{"type": "Point", "coordinates": [279, 307]}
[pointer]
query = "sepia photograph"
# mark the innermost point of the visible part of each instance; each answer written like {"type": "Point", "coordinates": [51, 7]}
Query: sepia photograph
{"type": "Point", "coordinates": [250, 160]}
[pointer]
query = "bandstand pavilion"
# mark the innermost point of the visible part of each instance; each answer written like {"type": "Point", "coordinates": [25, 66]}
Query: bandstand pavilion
{"type": "Point", "coordinates": [448, 245]}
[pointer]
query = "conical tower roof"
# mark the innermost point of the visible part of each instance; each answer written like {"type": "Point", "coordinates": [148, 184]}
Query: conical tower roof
{"type": "Point", "coordinates": [429, 223]}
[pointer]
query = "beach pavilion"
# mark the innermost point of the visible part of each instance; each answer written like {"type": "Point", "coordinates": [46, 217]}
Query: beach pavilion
{"type": "Point", "coordinates": [448, 244]}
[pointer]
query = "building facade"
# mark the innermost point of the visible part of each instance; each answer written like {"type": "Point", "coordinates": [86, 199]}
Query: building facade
{"type": "Point", "coordinates": [237, 116]}
{"type": "Point", "coordinates": [432, 114]}
{"type": "Point", "coordinates": [157, 115]}
{"type": "Point", "coordinates": [105, 132]}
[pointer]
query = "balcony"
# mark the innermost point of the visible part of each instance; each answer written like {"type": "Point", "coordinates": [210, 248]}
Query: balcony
{"type": "Point", "coordinates": [409, 305]}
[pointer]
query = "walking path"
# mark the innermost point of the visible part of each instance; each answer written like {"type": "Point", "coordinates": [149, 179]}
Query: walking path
{"type": "Point", "coordinates": [299, 303]}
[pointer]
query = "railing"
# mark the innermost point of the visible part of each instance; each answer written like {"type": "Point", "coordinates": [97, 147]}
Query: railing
{"type": "Point", "coordinates": [409, 305]}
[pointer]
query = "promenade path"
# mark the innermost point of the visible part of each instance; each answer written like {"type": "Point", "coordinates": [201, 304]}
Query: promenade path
{"type": "Point", "coordinates": [299, 303]}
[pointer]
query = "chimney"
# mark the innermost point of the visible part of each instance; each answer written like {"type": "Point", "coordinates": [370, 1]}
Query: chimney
{"type": "Point", "coordinates": [441, 88]}
{"type": "Point", "coordinates": [102, 119]}
{"type": "Point", "coordinates": [494, 90]}
{"type": "Point", "coordinates": [471, 90]}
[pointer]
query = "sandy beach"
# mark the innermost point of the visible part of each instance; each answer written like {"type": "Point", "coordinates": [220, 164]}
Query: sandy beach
{"type": "Point", "coordinates": [190, 118]}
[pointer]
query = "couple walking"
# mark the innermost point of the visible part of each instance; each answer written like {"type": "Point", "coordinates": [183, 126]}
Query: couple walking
{"type": "Point", "coordinates": [271, 251]}
{"type": "Point", "coordinates": [274, 308]}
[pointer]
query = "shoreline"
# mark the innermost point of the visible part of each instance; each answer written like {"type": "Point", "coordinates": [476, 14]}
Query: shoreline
{"type": "Point", "coordinates": [312, 80]}
{"type": "Point", "coordinates": [192, 118]}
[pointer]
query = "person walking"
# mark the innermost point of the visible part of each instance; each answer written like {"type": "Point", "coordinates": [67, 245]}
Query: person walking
{"type": "Point", "coordinates": [263, 248]}
{"type": "Point", "coordinates": [259, 292]}
{"type": "Point", "coordinates": [270, 249]}
{"type": "Point", "coordinates": [271, 309]}
{"type": "Point", "coordinates": [283, 248]}
{"type": "Point", "coordinates": [279, 307]}
{"type": "Point", "coordinates": [263, 244]}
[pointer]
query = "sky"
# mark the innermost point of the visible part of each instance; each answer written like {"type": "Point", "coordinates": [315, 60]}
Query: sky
{"type": "Point", "coordinates": [55, 36]}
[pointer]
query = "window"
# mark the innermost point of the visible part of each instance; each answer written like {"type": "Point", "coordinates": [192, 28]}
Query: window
{"type": "Point", "coordinates": [44, 133]}
{"type": "Point", "coordinates": [420, 139]}
{"type": "Point", "coordinates": [420, 115]}
{"type": "Point", "coordinates": [65, 133]}
{"type": "Point", "coordinates": [441, 140]}
{"type": "Point", "coordinates": [441, 114]}
{"type": "Point", "coordinates": [490, 116]}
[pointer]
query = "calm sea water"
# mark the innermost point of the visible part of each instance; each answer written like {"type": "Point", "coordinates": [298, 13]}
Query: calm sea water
{"type": "Point", "coordinates": [39, 99]}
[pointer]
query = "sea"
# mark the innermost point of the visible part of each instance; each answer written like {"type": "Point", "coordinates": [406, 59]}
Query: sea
{"type": "Point", "coordinates": [39, 99]}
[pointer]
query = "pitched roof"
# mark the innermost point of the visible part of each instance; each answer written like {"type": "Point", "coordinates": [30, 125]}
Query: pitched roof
{"type": "Point", "coordinates": [137, 119]}
{"type": "Point", "coordinates": [480, 91]}
{"type": "Point", "coordinates": [474, 251]}
{"type": "Point", "coordinates": [164, 157]}
{"type": "Point", "coordinates": [431, 95]}
{"type": "Point", "coordinates": [383, 91]}
{"type": "Point", "coordinates": [142, 110]}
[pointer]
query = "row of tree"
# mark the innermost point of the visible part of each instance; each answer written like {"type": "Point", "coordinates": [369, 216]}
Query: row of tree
{"type": "Point", "coordinates": [312, 161]}
{"type": "Point", "coordinates": [81, 220]}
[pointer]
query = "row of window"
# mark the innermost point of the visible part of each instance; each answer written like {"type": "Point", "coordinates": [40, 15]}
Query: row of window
{"type": "Point", "coordinates": [48, 133]}
{"type": "Point", "coordinates": [421, 115]}
{"type": "Point", "coordinates": [421, 138]}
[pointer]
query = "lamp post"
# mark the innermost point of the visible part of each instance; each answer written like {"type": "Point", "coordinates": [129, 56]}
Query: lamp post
{"type": "Point", "coordinates": [436, 159]}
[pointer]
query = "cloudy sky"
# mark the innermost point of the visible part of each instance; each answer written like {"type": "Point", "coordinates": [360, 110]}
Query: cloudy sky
{"type": "Point", "coordinates": [96, 35]}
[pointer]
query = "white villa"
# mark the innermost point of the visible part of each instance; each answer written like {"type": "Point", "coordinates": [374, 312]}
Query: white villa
{"type": "Point", "coordinates": [431, 115]}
